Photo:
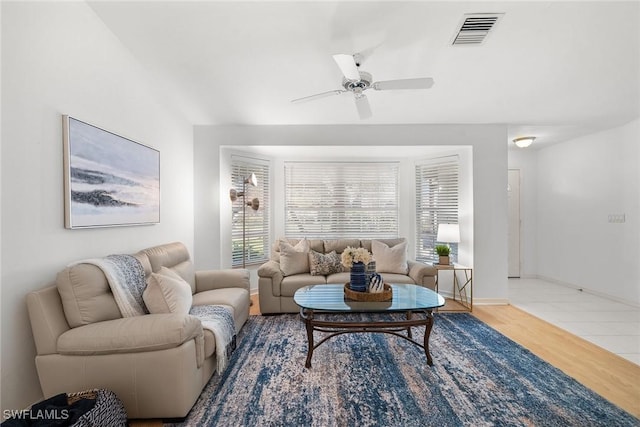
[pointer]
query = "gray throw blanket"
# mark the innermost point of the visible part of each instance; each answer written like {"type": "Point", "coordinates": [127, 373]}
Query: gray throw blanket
{"type": "Point", "coordinates": [219, 321]}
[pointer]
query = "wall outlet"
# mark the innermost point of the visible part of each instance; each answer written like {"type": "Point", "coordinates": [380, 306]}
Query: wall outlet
{"type": "Point", "coordinates": [617, 218]}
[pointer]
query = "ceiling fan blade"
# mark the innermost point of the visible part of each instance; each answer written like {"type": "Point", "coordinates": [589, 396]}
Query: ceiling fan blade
{"type": "Point", "coordinates": [420, 83]}
{"type": "Point", "coordinates": [364, 109]}
{"type": "Point", "coordinates": [318, 96]}
{"type": "Point", "coordinates": [347, 65]}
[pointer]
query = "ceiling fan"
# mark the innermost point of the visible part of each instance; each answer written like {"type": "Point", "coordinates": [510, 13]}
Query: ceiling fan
{"type": "Point", "coordinates": [356, 82]}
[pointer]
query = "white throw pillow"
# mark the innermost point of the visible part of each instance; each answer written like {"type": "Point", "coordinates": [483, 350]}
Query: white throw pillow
{"type": "Point", "coordinates": [294, 259]}
{"type": "Point", "coordinates": [167, 292]}
{"type": "Point", "coordinates": [390, 260]}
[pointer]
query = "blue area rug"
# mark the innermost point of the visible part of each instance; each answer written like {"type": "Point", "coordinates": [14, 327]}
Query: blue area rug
{"type": "Point", "coordinates": [479, 378]}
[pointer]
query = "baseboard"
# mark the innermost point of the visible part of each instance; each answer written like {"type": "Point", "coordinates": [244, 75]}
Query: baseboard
{"type": "Point", "coordinates": [588, 291]}
{"type": "Point", "coordinates": [525, 276]}
{"type": "Point", "coordinates": [446, 294]}
{"type": "Point", "coordinates": [478, 301]}
{"type": "Point", "coordinates": [491, 301]}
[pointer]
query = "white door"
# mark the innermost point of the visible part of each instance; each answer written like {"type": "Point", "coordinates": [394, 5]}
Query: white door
{"type": "Point", "coordinates": [513, 189]}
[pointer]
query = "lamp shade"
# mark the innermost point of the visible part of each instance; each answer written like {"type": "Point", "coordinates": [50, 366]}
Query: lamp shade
{"type": "Point", "coordinates": [448, 233]}
{"type": "Point", "coordinates": [251, 179]}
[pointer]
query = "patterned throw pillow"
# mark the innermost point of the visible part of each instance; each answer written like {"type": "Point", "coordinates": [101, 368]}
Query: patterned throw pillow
{"type": "Point", "coordinates": [322, 265]}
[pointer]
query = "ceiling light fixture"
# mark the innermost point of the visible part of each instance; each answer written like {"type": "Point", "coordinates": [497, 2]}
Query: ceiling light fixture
{"type": "Point", "coordinates": [524, 141]}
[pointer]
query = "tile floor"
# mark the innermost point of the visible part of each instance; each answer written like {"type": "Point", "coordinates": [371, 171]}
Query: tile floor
{"type": "Point", "coordinates": [609, 324]}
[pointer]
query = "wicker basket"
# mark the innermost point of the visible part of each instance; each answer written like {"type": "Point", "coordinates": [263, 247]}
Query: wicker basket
{"type": "Point", "coordinates": [89, 408]}
{"type": "Point", "coordinates": [385, 295]}
{"type": "Point", "coordinates": [108, 410]}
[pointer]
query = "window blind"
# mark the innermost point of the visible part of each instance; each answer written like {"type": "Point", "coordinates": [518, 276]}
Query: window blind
{"type": "Point", "coordinates": [341, 199]}
{"type": "Point", "coordinates": [436, 203]}
{"type": "Point", "coordinates": [256, 244]}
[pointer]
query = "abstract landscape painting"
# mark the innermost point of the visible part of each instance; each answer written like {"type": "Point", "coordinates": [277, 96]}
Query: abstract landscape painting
{"type": "Point", "coordinates": [109, 180]}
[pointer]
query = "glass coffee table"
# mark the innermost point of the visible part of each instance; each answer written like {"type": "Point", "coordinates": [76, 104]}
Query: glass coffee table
{"type": "Point", "coordinates": [329, 301]}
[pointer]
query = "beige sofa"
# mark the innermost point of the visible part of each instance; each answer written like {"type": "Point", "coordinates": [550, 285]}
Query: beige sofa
{"type": "Point", "coordinates": [157, 364]}
{"type": "Point", "coordinates": [277, 286]}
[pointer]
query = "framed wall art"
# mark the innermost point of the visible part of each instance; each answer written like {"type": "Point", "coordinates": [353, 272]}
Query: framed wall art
{"type": "Point", "coordinates": [109, 180]}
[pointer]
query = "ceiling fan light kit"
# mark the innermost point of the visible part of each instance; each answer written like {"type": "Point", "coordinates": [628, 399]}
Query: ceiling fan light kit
{"type": "Point", "coordinates": [356, 82]}
{"type": "Point", "coordinates": [524, 141]}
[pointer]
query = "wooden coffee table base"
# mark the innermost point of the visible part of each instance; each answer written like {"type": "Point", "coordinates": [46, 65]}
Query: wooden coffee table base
{"type": "Point", "coordinates": [392, 327]}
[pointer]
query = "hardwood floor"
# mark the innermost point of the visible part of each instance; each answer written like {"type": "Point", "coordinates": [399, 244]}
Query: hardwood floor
{"type": "Point", "coordinates": [612, 377]}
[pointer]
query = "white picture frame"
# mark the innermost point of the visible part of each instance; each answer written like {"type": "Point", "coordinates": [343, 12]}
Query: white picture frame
{"type": "Point", "coordinates": [109, 180]}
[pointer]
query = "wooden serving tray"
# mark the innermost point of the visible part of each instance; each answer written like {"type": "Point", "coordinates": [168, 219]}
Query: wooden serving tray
{"type": "Point", "coordinates": [385, 295]}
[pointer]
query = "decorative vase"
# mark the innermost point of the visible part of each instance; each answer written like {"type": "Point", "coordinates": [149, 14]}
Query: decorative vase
{"type": "Point", "coordinates": [358, 277]}
{"type": "Point", "coordinates": [376, 285]}
{"type": "Point", "coordinates": [369, 271]}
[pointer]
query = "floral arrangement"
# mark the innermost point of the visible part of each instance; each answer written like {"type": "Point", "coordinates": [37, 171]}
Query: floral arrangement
{"type": "Point", "coordinates": [351, 255]}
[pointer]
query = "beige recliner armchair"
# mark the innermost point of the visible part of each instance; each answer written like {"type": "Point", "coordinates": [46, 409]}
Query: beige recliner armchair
{"type": "Point", "coordinates": [157, 364]}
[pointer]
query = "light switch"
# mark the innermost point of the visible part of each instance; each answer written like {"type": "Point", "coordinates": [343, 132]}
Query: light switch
{"type": "Point", "coordinates": [616, 218]}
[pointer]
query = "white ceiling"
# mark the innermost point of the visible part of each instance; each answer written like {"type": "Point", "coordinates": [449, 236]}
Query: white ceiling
{"type": "Point", "coordinates": [555, 70]}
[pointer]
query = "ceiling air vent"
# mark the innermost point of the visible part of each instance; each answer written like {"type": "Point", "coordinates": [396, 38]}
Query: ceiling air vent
{"type": "Point", "coordinates": [475, 27]}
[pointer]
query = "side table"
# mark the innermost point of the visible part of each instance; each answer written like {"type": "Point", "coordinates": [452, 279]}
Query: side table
{"type": "Point", "coordinates": [462, 286]}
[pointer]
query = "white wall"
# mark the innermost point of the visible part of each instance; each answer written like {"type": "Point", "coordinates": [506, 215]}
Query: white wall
{"type": "Point", "coordinates": [580, 183]}
{"type": "Point", "coordinates": [489, 163]}
{"type": "Point", "coordinates": [58, 58]}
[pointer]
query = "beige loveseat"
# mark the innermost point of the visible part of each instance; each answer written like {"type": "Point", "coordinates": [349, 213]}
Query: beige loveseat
{"type": "Point", "coordinates": [278, 279]}
{"type": "Point", "coordinates": [157, 364]}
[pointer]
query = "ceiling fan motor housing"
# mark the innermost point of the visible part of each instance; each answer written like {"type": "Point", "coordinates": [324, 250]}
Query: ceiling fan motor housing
{"type": "Point", "coordinates": [360, 85]}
